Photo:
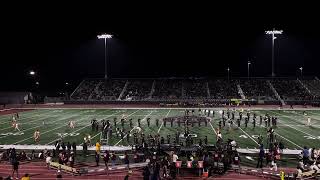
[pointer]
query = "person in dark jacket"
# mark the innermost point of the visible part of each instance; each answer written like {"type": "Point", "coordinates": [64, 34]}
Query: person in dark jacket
{"type": "Point", "coordinates": [146, 173]}
{"type": "Point", "coordinates": [15, 167]}
{"type": "Point", "coordinates": [97, 158]}
{"type": "Point", "coordinates": [260, 158]}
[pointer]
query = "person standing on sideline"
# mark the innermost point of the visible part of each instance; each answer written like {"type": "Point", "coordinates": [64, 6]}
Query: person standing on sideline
{"type": "Point", "coordinates": [106, 158]}
{"type": "Point", "coordinates": [98, 146]}
{"type": "Point", "coordinates": [126, 160]}
{"type": "Point", "coordinates": [261, 155]}
{"type": "Point", "coordinates": [97, 158]}
{"type": "Point", "coordinates": [15, 168]}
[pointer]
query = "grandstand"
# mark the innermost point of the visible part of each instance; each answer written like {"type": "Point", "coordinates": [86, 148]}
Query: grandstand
{"type": "Point", "coordinates": [253, 90]}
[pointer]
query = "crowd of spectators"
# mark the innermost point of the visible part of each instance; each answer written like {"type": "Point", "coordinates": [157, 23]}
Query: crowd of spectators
{"type": "Point", "coordinates": [168, 89]}
{"type": "Point", "coordinates": [309, 161]}
{"type": "Point", "coordinates": [195, 89]}
{"type": "Point", "coordinates": [223, 89]}
{"type": "Point", "coordinates": [313, 86]}
{"type": "Point", "coordinates": [164, 89]}
{"type": "Point", "coordinates": [108, 90]}
{"type": "Point", "coordinates": [257, 89]}
{"type": "Point", "coordinates": [84, 90]}
{"type": "Point", "coordinates": [138, 89]}
{"type": "Point", "coordinates": [291, 90]}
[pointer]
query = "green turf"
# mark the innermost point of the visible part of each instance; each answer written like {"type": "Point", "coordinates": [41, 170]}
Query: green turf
{"type": "Point", "coordinates": [291, 129]}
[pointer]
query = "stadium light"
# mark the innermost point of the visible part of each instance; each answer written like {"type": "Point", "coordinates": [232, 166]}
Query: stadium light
{"type": "Point", "coordinates": [67, 83]}
{"type": "Point", "coordinates": [32, 73]}
{"type": "Point", "coordinates": [301, 68]}
{"type": "Point", "coordinates": [228, 69]}
{"type": "Point", "coordinates": [249, 63]}
{"type": "Point", "coordinates": [273, 32]}
{"type": "Point", "coordinates": [105, 37]}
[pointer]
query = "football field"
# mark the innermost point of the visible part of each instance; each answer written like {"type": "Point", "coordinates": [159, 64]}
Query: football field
{"type": "Point", "coordinates": [53, 123]}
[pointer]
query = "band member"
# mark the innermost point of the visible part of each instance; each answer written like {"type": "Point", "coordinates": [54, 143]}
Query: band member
{"type": "Point", "coordinates": [238, 121]}
{"type": "Point", "coordinates": [36, 135]}
{"type": "Point", "coordinates": [130, 122]}
{"type": "Point", "coordinates": [139, 122]}
{"type": "Point", "coordinates": [16, 126]}
{"type": "Point", "coordinates": [87, 139]}
{"type": "Point", "coordinates": [71, 124]}
{"type": "Point", "coordinates": [148, 122]}
{"type": "Point", "coordinates": [219, 135]}
{"type": "Point", "coordinates": [308, 121]}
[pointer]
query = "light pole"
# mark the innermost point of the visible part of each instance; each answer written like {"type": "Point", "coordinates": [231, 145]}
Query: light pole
{"type": "Point", "coordinates": [273, 32]}
{"type": "Point", "coordinates": [228, 69]}
{"type": "Point", "coordinates": [301, 68]}
{"type": "Point", "coordinates": [249, 69]}
{"type": "Point", "coordinates": [105, 37]}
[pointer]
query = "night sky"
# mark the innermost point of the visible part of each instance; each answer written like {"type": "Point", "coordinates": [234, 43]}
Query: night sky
{"type": "Point", "coordinates": [60, 44]}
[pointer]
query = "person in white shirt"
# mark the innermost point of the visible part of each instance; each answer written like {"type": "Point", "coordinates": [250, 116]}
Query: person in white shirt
{"type": "Point", "coordinates": [308, 121]}
{"type": "Point", "coordinates": [48, 160]}
{"type": "Point", "coordinates": [174, 157]}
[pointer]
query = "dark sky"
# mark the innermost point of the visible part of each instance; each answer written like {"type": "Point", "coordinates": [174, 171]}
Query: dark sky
{"type": "Point", "coordinates": [60, 44]}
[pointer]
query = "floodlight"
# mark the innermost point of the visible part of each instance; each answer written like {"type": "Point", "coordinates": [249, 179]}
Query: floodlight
{"type": "Point", "coordinates": [104, 36]}
{"type": "Point", "coordinates": [274, 32]}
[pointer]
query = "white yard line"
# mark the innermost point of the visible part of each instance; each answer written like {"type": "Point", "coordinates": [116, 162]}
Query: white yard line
{"type": "Point", "coordinates": [34, 127]}
{"type": "Point", "coordinates": [289, 140]}
{"type": "Point", "coordinates": [296, 128]}
{"type": "Point", "coordinates": [96, 135]}
{"type": "Point", "coordinates": [22, 116]}
{"type": "Point", "coordinates": [40, 121]}
{"type": "Point", "coordinates": [84, 116]}
{"type": "Point", "coordinates": [282, 136]}
{"type": "Point", "coordinates": [248, 135]}
{"type": "Point", "coordinates": [162, 121]}
{"type": "Point", "coordinates": [213, 128]}
{"type": "Point", "coordinates": [133, 128]}
{"type": "Point", "coordinates": [83, 127]}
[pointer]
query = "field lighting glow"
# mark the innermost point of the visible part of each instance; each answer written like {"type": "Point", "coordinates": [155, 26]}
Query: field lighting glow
{"type": "Point", "coordinates": [274, 32]}
{"type": "Point", "coordinates": [104, 36]}
{"type": "Point", "coordinates": [32, 73]}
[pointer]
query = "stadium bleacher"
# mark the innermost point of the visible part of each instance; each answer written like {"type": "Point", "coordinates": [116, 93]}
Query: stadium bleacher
{"type": "Point", "coordinates": [138, 89]}
{"type": "Point", "coordinates": [196, 89]}
{"type": "Point", "coordinates": [291, 90]}
{"type": "Point", "coordinates": [223, 89]}
{"type": "Point", "coordinates": [257, 89]}
{"type": "Point", "coordinates": [108, 90]}
{"type": "Point", "coordinates": [313, 85]}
